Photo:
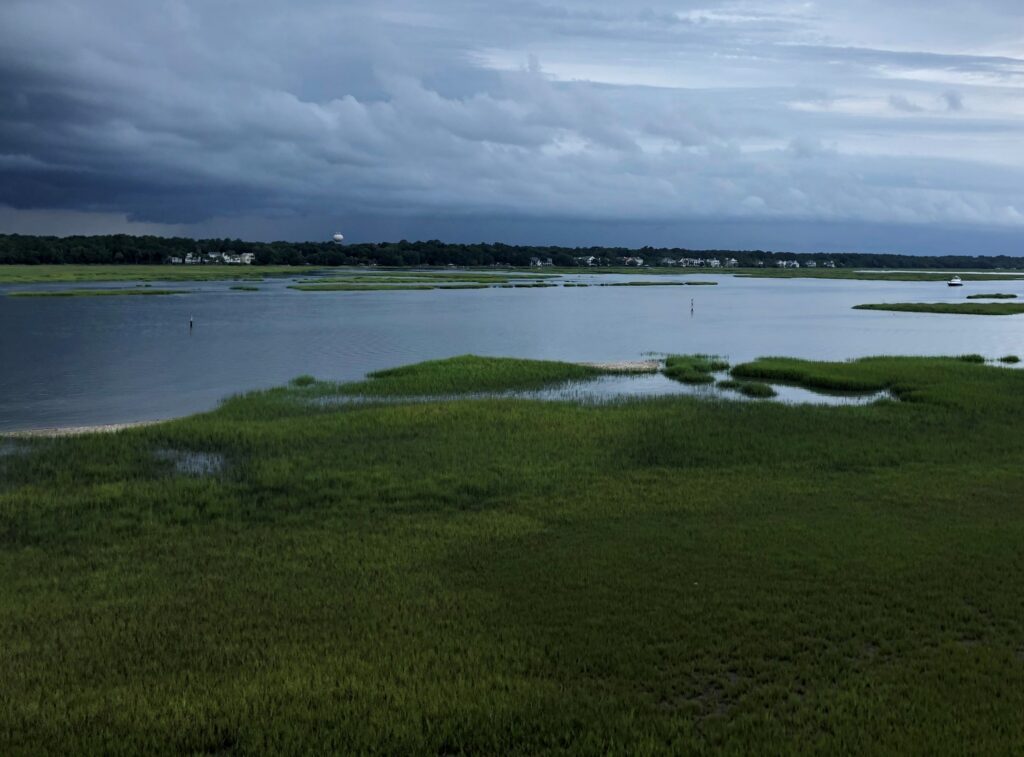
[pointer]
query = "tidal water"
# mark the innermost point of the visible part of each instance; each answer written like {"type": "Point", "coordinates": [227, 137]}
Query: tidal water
{"type": "Point", "coordinates": [90, 360]}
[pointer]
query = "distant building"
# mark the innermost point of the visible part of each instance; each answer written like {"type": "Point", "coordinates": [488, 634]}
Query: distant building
{"type": "Point", "coordinates": [540, 262]}
{"type": "Point", "coordinates": [829, 264]}
{"type": "Point", "coordinates": [587, 260]}
{"type": "Point", "coordinates": [787, 264]}
{"type": "Point", "coordinates": [714, 263]}
{"type": "Point", "coordinates": [633, 261]}
{"type": "Point", "coordinates": [731, 263]}
{"type": "Point", "coordinates": [668, 262]}
{"type": "Point", "coordinates": [810, 264]}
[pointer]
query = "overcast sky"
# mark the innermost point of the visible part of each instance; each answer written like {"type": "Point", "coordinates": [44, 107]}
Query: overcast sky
{"type": "Point", "coordinates": [833, 124]}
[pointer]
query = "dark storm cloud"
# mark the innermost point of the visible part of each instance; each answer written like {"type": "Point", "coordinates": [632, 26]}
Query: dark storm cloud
{"type": "Point", "coordinates": [198, 112]}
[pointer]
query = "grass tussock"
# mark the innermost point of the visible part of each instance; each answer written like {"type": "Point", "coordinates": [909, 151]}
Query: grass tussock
{"type": "Point", "coordinates": [754, 389]}
{"type": "Point", "coordinates": [992, 296]}
{"type": "Point", "coordinates": [515, 577]}
{"type": "Point", "coordinates": [694, 369]}
{"type": "Point", "coordinates": [957, 308]}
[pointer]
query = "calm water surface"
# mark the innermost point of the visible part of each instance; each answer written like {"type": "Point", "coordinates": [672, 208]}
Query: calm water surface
{"type": "Point", "coordinates": [90, 360]}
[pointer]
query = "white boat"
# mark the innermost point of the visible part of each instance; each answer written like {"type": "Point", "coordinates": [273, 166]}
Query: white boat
{"type": "Point", "coordinates": [956, 281]}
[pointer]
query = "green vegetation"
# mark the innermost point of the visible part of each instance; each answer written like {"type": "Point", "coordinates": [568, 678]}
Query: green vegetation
{"type": "Point", "coordinates": [694, 369]}
{"type": "Point", "coordinates": [246, 288]}
{"type": "Point", "coordinates": [513, 577]}
{"type": "Point", "coordinates": [754, 389]}
{"type": "Point", "coordinates": [958, 308]}
{"type": "Point", "coordinates": [467, 373]}
{"type": "Point", "coordinates": [59, 274]}
{"type": "Point", "coordinates": [972, 358]}
{"type": "Point", "coordinates": [94, 292]}
{"type": "Point", "coordinates": [991, 296]}
{"type": "Point", "coordinates": [1009, 359]}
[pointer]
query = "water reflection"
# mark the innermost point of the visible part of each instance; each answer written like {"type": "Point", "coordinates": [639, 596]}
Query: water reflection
{"type": "Point", "coordinates": [618, 388]}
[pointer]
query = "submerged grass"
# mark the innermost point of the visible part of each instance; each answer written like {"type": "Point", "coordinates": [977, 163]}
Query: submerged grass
{"type": "Point", "coordinates": [961, 308]}
{"type": "Point", "coordinates": [514, 577]}
{"type": "Point", "coordinates": [96, 292]}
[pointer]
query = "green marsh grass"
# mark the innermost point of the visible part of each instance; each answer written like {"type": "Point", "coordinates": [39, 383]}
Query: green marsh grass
{"type": "Point", "coordinates": [957, 308]}
{"type": "Point", "coordinates": [512, 577]}
{"type": "Point", "coordinates": [991, 296]}
{"type": "Point", "coordinates": [45, 274]}
{"type": "Point", "coordinates": [97, 292]}
{"type": "Point", "coordinates": [1009, 359]}
{"type": "Point", "coordinates": [755, 389]}
{"type": "Point", "coordinates": [694, 369]}
{"type": "Point", "coordinates": [467, 373]}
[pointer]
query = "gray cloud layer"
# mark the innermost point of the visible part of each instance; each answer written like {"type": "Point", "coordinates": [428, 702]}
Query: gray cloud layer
{"type": "Point", "coordinates": [205, 114]}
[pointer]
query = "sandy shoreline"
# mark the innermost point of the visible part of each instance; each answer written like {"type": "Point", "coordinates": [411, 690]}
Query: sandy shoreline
{"type": "Point", "coordinates": [628, 366]}
{"type": "Point", "coordinates": [107, 428]}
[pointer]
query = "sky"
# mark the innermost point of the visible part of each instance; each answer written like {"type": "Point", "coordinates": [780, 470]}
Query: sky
{"type": "Point", "coordinates": [842, 125]}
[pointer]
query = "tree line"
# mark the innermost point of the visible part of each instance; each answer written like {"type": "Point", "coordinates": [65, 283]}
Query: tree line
{"type": "Point", "coordinates": [126, 249]}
